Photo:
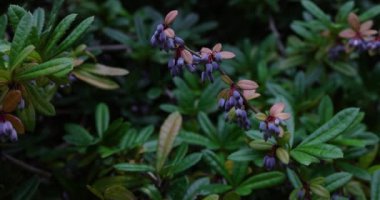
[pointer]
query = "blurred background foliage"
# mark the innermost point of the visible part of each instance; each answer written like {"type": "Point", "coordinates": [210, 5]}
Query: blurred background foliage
{"type": "Point", "coordinates": [272, 48]}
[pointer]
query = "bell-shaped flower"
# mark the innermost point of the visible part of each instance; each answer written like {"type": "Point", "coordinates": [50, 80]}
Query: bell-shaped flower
{"type": "Point", "coordinates": [271, 124]}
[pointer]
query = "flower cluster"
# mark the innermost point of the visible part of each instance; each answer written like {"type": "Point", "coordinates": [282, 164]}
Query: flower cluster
{"type": "Point", "coordinates": [232, 101]}
{"type": "Point", "coordinates": [269, 162]}
{"type": "Point", "coordinates": [360, 36]}
{"type": "Point", "coordinates": [270, 124]}
{"type": "Point", "coordinates": [164, 37]}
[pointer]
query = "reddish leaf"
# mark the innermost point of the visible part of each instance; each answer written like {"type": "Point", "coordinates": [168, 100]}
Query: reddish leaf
{"type": "Point", "coordinates": [353, 20]}
{"type": "Point", "coordinates": [11, 100]}
{"type": "Point", "coordinates": [16, 122]}
{"type": "Point", "coordinates": [227, 55]}
{"type": "Point", "coordinates": [247, 85]}
{"type": "Point", "coordinates": [217, 47]}
{"type": "Point", "coordinates": [186, 55]}
{"type": "Point", "coordinates": [347, 33]}
{"type": "Point", "coordinates": [366, 26]}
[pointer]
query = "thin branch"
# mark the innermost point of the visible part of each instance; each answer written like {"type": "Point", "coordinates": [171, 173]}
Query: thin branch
{"type": "Point", "coordinates": [273, 28]}
{"type": "Point", "coordinates": [26, 166]}
{"type": "Point", "coordinates": [116, 47]}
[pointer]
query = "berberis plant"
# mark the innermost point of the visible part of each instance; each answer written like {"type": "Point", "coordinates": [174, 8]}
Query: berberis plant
{"type": "Point", "coordinates": [284, 143]}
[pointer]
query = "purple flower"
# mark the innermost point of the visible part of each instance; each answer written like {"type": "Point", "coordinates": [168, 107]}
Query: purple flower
{"type": "Point", "coordinates": [336, 51]}
{"type": "Point", "coordinates": [269, 162]}
{"type": "Point", "coordinates": [373, 45]}
{"type": "Point", "coordinates": [358, 43]}
{"type": "Point", "coordinates": [235, 103]}
{"type": "Point", "coordinates": [212, 59]}
{"type": "Point", "coordinates": [7, 131]}
{"type": "Point", "coordinates": [164, 37]}
{"type": "Point", "coordinates": [182, 58]}
{"type": "Point", "coordinates": [271, 125]}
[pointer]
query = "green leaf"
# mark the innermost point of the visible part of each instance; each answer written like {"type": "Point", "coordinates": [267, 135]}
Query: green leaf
{"type": "Point", "coordinates": [129, 167]}
{"type": "Point", "coordinates": [317, 12]}
{"type": "Point", "coordinates": [375, 186]}
{"type": "Point", "coordinates": [28, 117]}
{"type": "Point", "coordinates": [77, 135]}
{"type": "Point", "coordinates": [102, 118]}
{"type": "Point", "coordinates": [321, 151]}
{"type": "Point", "coordinates": [356, 171]}
{"type": "Point", "coordinates": [260, 145]}
{"type": "Point", "coordinates": [20, 38]}
{"type": "Point", "coordinates": [293, 178]}
{"type": "Point", "coordinates": [216, 164]}
{"type": "Point", "coordinates": [282, 155]}
{"type": "Point", "coordinates": [325, 109]}
{"type": "Point", "coordinates": [301, 30]}
{"type": "Point", "coordinates": [22, 56]}
{"type": "Point", "coordinates": [144, 134]}
{"type": "Point", "coordinates": [47, 68]}
{"type": "Point", "coordinates": [118, 192]}
{"type": "Point", "coordinates": [104, 70]}
{"type": "Point", "coordinates": [320, 191]}
{"type": "Point", "coordinates": [39, 100]}
{"type": "Point", "coordinates": [207, 127]}
{"type": "Point", "coordinates": [337, 180]}
{"type": "Point", "coordinates": [211, 197]}
{"type": "Point", "coordinates": [370, 14]}
{"type": "Point", "coordinates": [215, 189]}
{"type": "Point", "coordinates": [15, 13]}
{"type": "Point", "coordinates": [332, 128]}
{"type": "Point", "coordinates": [168, 132]}
{"type": "Point", "coordinates": [303, 158]}
{"type": "Point", "coordinates": [260, 181]}
{"type": "Point", "coordinates": [97, 81]}
{"type": "Point", "coordinates": [73, 36]}
{"type": "Point", "coordinates": [244, 155]}
{"type": "Point", "coordinates": [27, 190]}
{"type": "Point", "coordinates": [59, 32]}
{"type": "Point", "coordinates": [343, 67]}
{"type": "Point", "coordinates": [344, 10]}
{"type": "Point", "coordinates": [117, 35]}
{"type": "Point", "coordinates": [3, 25]}
{"type": "Point", "coordinates": [197, 139]}
{"type": "Point", "coordinates": [39, 18]}
{"type": "Point", "coordinates": [152, 192]}
{"type": "Point", "coordinates": [54, 12]}
{"type": "Point", "coordinates": [195, 188]}
{"type": "Point", "coordinates": [187, 162]}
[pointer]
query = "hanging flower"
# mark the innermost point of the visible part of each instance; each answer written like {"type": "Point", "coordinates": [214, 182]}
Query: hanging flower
{"type": "Point", "coordinates": [164, 36]}
{"type": "Point", "coordinates": [359, 33]}
{"type": "Point", "coordinates": [232, 101]}
{"type": "Point", "coordinates": [212, 59]}
{"type": "Point", "coordinates": [271, 124]}
{"type": "Point", "coordinates": [9, 124]}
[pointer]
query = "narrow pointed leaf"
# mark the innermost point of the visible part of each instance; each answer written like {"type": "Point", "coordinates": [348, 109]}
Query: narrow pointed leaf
{"type": "Point", "coordinates": [168, 132]}
{"type": "Point", "coordinates": [333, 127]}
{"type": "Point", "coordinates": [102, 118]}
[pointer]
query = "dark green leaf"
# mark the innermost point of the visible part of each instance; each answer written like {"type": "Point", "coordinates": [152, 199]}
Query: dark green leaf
{"type": "Point", "coordinates": [27, 190]}
{"type": "Point", "coordinates": [375, 186]}
{"type": "Point", "coordinates": [337, 180]}
{"type": "Point", "coordinates": [370, 13]}
{"type": "Point", "coordinates": [21, 37]}
{"type": "Point", "coordinates": [77, 135]}
{"type": "Point", "coordinates": [332, 128]}
{"type": "Point", "coordinates": [102, 118]}
{"type": "Point", "coordinates": [129, 167]}
{"type": "Point", "coordinates": [260, 181]}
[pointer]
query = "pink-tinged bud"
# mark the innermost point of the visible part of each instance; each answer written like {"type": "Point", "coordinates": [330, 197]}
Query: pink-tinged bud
{"type": "Point", "coordinates": [187, 56]}
{"type": "Point", "coordinates": [170, 17]}
{"type": "Point", "coordinates": [250, 94]}
{"type": "Point", "coordinates": [169, 32]}
{"type": "Point", "coordinates": [227, 55]}
{"type": "Point", "coordinates": [217, 47]}
{"type": "Point", "coordinates": [247, 85]}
